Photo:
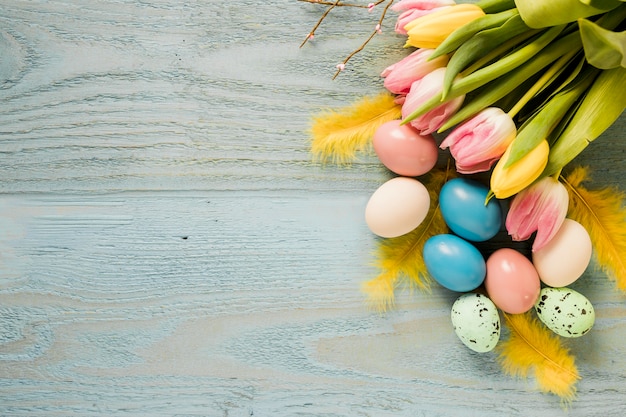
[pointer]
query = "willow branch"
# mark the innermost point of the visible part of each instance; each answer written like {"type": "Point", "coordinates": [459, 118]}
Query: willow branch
{"type": "Point", "coordinates": [319, 22]}
{"type": "Point", "coordinates": [341, 66]}
{"type": "Point", "coordinates": [330, 3]}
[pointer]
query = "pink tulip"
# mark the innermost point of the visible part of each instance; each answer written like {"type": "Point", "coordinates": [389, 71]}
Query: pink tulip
{"type": "Point", "coordinates": [400, 76]}
{"type": "Point", "coordinates": [403, 5]}
{"type": "Point", "coordinates": [479, 142]}
{"type": "Point", "coordinates": [541, 207]}
{"type": "Point", "coordinates": [421, 91]}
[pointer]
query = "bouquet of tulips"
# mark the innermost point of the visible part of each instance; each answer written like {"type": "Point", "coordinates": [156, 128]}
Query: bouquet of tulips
{"type": "Point", "coordinates": [519, 88]}
{"type": "Point", "coordinates": [507, 54]}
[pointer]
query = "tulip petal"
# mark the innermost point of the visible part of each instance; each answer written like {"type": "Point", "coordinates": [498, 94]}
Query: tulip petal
{"type": "Point", "coordinates": [540, 208]}
{"type": "Point", "coordinates": [431, 30]}
{"type": "Point", "coordinates": [400, 76]}
{"type": "Point", "coordinates": [506, 182]}
{"type": "Point", "coordinates": [403, 5]}
{"type": "Point", "coordinates": [479, 142]}
{"type": "Point", "coordinates": [421, 91]}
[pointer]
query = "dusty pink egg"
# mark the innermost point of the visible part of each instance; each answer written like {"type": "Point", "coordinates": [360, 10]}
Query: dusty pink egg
{"type": "Point", "coordinates": [404, 151]}
{"type": "Point", "coordinates": [512, 281]}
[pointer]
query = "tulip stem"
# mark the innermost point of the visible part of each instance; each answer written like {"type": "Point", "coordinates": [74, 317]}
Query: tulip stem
{"type": "Point", "coordinates": [507, 74]}
{"type": "Point", "coordinates": [495, 53]}
{"type": "Point", "coordinates": [541, 82]}
{"type": "Point", "coordinates": [495, 6]}
{"type": "Point", "coordinates": [490, 195]}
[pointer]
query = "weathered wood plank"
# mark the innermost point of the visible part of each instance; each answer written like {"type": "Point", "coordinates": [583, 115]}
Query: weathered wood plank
{"type": "Point", "coordinates": [168, 248]}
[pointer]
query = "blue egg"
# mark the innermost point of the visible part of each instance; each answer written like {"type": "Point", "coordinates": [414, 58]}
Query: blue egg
{"type": "Point", "coordinates": [462, 204]}
{"type": "Point", "coordinates": [454, 263]}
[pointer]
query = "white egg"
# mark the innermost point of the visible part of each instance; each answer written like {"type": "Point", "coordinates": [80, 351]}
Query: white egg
{"type": "Point", "coordinates": [566, 257]}
{"type": "Point", "coordinates": [476, 322]}
{"type": "Point", "coordinates": [566, 312]}
{"type": "Point", "coordinates": [397, 207]}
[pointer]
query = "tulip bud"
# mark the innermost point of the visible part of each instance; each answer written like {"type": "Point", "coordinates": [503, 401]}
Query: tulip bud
{"type": "Point", "coordinates": [421, 91]}
{"type": "Point", "coordinates": [479, 142]}
{"type": "Point", "coordinates": [404, 5]}
{"type": "Point", "coordinates": [542, 207]}
{"type": "Point", "coordinates": [412, 9]}
{"type": "Point", "coordinates": [400, 76]}
{"type": "Point", "coordinates": [506, 182]}
{"type": "Point", "coordinates": [430, 30]}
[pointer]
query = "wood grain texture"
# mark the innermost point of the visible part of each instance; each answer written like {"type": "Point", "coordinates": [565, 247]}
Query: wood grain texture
{"type": "Point", "coordinates": [168, 248]}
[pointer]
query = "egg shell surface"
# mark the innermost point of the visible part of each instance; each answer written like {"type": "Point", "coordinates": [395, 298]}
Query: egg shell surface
{"type": "Point", "coordinates": [566, 312]}
{"type": "Point", "coordinates": [397, 207]}
{"type": "Point", "coordinates": [462, 203]}
{"type": "Point", "coordinates": [403, 150]}
{"type": "Point", "coordinates": [512, 282]}
{"type": "Point", "coordinates": [565, 257]}
{"type": "Point", "coordinates": [454, 263]}
{"type": "Point", "coordinates": [476, 322]}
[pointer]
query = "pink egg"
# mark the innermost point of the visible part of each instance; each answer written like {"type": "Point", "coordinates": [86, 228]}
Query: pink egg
{"type": "Point", "coordinates": [512, 281]}
{"type": "Point", "coordinates": [404, 151]}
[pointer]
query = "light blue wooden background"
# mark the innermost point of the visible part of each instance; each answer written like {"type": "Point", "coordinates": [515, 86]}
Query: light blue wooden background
{"type": "Point", "coordinates": [167, 247]}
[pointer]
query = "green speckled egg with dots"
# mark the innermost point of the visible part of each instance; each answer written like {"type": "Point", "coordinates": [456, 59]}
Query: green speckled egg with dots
{"type": "Point", "coordinates": [566, 312]}
{"type": "Point", "coordinates": [476, 322]}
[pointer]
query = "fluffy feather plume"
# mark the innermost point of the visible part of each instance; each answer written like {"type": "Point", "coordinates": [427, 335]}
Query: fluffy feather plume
{"type": "Point", "coordinates": [603, 213]}
{"type": "Point", "coordinates": [531, 347]}
{"type": "Point", "coordinates": [338, 134]}
{"type": "Point", "coordinates": [401, 257]}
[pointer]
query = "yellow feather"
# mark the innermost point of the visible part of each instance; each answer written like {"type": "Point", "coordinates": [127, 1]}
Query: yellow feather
{"type": "Point", "coordinates": [401, 257]}
{"type": "Point", "coordinates": [532, 348]}
{"type": "Point", "coordinates": [603, 213]}
{"type": "Point", "coordinates": [339, 134]}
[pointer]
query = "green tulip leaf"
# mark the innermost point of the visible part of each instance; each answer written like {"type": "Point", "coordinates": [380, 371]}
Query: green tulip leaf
{"type": "Point", "coordinates": [600, 4]}
{"type": "Point", "coordinates": [602, 105]}
{"type": "Point", "coordinates": [539, 14]}
{"type": "Point", "coordinates": [604, 49]}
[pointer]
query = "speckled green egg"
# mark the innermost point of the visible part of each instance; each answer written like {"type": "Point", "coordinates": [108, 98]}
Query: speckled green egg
{"type": "Point", "coordinates": [476, 322]}
{"type": "Point", "coordinates": [566, 312]}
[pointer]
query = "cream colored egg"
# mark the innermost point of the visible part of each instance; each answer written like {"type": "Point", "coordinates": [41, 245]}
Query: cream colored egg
{"type": "Point", "coordinates": [397, 207]}
{"type": "Point", "coordinates": [566, 257]}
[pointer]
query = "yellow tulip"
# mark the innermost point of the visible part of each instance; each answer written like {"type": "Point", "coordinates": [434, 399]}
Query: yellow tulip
{"type": "Point", "coordinates": [506, 182]}
{"type": "Point", "coordinates": [430, 30]}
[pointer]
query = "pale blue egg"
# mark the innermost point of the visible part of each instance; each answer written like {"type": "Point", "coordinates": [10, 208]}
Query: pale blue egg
{"type": "Point", "coordinates": [454, 263]}
{"type": "Point", "coordinates": [462, 204]}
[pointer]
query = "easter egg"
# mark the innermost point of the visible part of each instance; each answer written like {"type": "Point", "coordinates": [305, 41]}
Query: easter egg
{"type": "Point", "coordinates": [397, 207]}
{"type": "Point", "coordinates": [403, 150]}
{"type": "Point", "coordinates": [462, 203]}
{"type": "Point", "coordinates": [565, 257]}
{"type": "Point", "coordinates": [454, 263]}
{"type": "Point", "coordinates": [566, 312]}
{"type": "Point", "coordinates": [476, 322]}
{"type": "Point", "coordinates": [512, 282]}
